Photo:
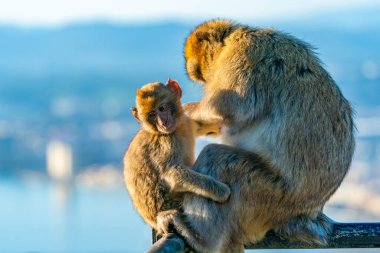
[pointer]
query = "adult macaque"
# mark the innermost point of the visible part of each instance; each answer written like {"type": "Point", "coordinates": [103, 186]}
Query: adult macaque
{"type": "Point", "coordinates": [287, 137]}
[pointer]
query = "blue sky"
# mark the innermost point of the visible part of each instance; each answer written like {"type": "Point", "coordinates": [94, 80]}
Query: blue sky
{"type": "Point", "coordinates": [53, 12]}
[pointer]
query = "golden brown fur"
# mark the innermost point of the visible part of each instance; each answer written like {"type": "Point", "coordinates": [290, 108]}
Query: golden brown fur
{"type": "Point", "coordinates": [287, 132]}
{"type": "Point", "coordinates": [157, 165]}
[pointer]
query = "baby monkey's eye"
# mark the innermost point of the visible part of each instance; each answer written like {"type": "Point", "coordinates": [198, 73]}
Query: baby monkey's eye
{"type": "Point", "coordinates": [152, 115]}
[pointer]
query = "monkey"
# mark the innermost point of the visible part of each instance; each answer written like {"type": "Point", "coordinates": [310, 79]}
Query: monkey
{"type": "Point", "coordinates": [287, 137]}
{"type": "Point", "coordinates": [157, 163]}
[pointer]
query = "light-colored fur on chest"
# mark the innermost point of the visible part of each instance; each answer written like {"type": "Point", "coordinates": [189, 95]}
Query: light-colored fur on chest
{"type": "Point", "coordinates": [250, 138]}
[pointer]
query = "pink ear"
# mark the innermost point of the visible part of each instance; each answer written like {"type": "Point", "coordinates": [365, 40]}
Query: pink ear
{"type": "Point", "coordinates": [175, 87]}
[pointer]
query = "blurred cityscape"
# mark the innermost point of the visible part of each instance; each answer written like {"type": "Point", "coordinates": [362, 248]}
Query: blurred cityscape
{"type": "Point", "coordinates": [65, 95]}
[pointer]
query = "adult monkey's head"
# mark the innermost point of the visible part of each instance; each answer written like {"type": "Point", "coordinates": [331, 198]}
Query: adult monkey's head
{"type": "Point", "coordinates": [202, 46]}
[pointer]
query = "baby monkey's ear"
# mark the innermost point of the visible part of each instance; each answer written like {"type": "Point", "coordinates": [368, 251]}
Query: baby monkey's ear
{"type": "Point", "coordinates": [135, 113]}
{"type": "Point", "coordinates": [174, 86]}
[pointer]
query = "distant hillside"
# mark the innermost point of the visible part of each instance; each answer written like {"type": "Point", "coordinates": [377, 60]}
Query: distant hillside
{"type": "Point", "coordinates": [77, 83]}
{"type": "Point", "coordinates": [89, 58]}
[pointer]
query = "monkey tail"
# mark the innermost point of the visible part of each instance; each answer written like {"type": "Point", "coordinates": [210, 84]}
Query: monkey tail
{"type": "Point", "coordinates": [307, 230]}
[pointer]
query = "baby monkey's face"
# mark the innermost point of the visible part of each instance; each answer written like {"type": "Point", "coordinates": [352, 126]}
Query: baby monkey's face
{"type": "Point", "coordinates": [158, 107]}
{"type": "Point", "coordinates": [164, 117]}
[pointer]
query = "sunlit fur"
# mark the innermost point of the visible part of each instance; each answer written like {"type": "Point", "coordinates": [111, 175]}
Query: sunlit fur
{"type": "Point", "coordinates": [157, 165]}
{"type": "Point", "coordinates": [288, 132]}
{"type": "Point", "coordinates": [198, 50]}
{"type": "Point", "coordinates": [147, 100]}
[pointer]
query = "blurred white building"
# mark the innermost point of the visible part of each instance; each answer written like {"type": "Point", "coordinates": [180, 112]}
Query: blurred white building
{"type": "Point", "coordinates": [59, 160]}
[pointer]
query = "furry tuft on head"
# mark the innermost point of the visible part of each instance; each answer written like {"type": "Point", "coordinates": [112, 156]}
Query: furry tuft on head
{"type": "Point", "coordinates": [203, 43]}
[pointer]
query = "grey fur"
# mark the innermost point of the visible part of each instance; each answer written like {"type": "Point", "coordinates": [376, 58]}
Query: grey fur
{"type": "Point", "coordinates": [288, 133]}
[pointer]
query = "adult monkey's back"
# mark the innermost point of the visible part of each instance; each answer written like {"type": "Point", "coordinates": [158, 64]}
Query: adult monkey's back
{"type": "Point", "coordinates": [287, 130]}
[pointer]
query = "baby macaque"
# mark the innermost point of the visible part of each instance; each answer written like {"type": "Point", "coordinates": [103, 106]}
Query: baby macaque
{"type": "Point", "coordinates": [157, 162]}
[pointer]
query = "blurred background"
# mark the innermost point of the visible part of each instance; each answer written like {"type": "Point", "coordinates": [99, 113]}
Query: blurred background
{"type": "Point", "coordinates": [68, 75]}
